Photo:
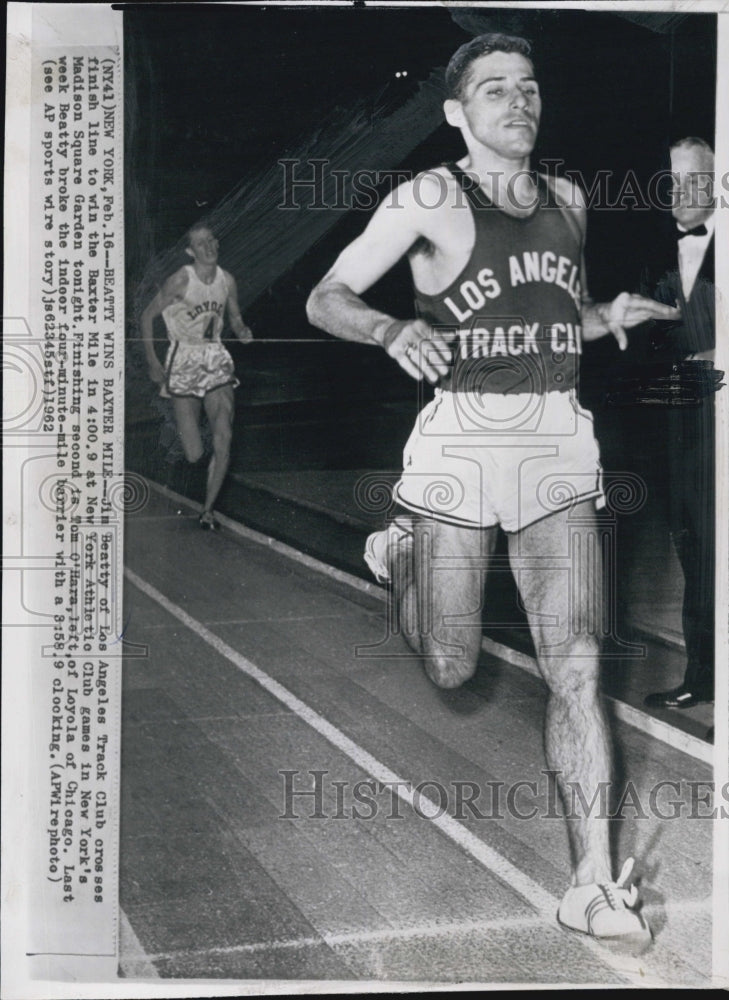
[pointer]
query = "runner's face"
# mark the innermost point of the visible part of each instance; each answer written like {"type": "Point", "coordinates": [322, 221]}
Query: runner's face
{"type": "Point", "coordinates": [692, 196]}
{"type": "Point", "coordinates": [501, 106]}
{"type": "Point", "coordinates": [204, 247]}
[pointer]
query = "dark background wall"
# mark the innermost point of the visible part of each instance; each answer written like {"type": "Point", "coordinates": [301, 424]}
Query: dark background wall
{"type": "Point", "coordinates": [216, 94]}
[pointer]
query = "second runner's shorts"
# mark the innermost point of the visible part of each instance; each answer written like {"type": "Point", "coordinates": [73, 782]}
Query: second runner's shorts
{"type": "Point", "coordinates": [196, 369]}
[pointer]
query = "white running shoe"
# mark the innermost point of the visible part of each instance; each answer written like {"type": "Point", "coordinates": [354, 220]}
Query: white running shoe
{"type": "Point", "coordinates": [379, 547]}
{"type": "Point", "coordinates": [608, 913]}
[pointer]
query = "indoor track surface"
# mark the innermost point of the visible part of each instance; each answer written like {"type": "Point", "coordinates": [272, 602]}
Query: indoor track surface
{"type": "Point", "coordinates": [299, 802]}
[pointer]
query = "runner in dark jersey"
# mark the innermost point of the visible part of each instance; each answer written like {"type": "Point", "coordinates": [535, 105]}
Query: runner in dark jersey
{"type": "Point", "coordinates": [198, 369]}
{"type": "Point", "coordinates": [502, 309]}
{"type": "Point", "coordinates": [532, 290]}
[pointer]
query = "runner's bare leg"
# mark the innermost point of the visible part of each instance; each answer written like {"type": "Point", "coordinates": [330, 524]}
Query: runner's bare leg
{"type": "Point", "coordinates": [440, 593]}
{"type": "Point", "coordinates": [563, 601]}
{"type": "Point", "coordinates": [219, 407]}
{"type": "Point", "coordinates": [187, 417]}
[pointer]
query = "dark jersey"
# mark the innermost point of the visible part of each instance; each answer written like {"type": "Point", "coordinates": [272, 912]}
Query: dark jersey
{"type": "Point", "coordinates": [516, 304]}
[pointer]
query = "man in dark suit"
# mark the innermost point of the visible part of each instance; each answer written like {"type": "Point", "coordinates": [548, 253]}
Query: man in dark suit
{"type": "Point", "coordinates": [690, 285]}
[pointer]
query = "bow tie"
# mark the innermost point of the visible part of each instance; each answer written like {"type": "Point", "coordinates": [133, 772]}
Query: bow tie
{"type": "Point", "coordinates": [696, 231]}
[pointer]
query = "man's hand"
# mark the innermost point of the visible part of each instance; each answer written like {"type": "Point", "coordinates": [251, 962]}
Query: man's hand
{"type": "Point", "coordinates": [418, 349]}
{"type": "Point", "coordinates": [243, 332]}
{"type": "Point", "coordinates": [156, 371]}
{"type": "Point", "coordinates": [629, 310]}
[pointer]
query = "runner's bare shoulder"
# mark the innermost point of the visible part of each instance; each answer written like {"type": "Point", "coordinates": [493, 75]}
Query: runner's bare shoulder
{"type": "Point", "coordinates": [176, 285]}
{"type": "Point", "coordinates": [569, 195]}
{"type": "Point", "coordinates": [427, 197]}
{"type": "Point", "coordinates": [408, 213]}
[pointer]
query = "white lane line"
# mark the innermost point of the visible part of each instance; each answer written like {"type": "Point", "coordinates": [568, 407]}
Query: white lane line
{"type": "Point", "coordinates": [382, 936]}
{"type": "Point", "coordinates": [147, 627]}
{"type": "Point", "coordinates": [656, 728]}
{"type": "Point", "coordinates": [385, 935]}
{"type": "Point", "coordinates": [133, 960]}
{"type": "Point", "coordinates": [659, 730]}
{"type": "Point", "coordinates": [543, 902]}
{"type": "Point", "coordinates": [290, 620]}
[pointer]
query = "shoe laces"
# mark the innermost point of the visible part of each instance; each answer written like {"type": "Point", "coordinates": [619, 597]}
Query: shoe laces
{"type": "Point", "coordinates": [617, 893]}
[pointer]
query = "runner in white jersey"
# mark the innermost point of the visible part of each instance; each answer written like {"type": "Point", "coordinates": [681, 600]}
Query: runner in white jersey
{"type": "Point", "coordinates": [198, 369]}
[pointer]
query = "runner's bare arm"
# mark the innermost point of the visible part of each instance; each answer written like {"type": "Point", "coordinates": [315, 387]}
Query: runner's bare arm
{"type": "Point", "coordinates": [172, 290]}
{"type": "Point", "coordinates": [625, 310]}
{"type": "Point", "coordinates": [239, 328]}
{"type": "Point", "coordinates": [335, 304]}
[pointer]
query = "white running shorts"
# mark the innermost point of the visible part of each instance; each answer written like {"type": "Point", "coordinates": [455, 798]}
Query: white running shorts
{"type": "Point", "coordinates": [196, 369]}
{"type": "Point", "coordinates": [479, 460]}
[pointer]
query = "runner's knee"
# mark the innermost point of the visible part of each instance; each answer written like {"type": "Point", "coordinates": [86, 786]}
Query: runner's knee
{"type": "Point", "coordinates": [450, 671]}
{"type": "Point", "coordinates": [193, 452]}
{"type": "Point", "coordinates": [574, 675]}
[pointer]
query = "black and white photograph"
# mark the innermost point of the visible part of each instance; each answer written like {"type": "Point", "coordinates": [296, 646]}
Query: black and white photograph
{"type": "Point", "coordinates": [366, 442]}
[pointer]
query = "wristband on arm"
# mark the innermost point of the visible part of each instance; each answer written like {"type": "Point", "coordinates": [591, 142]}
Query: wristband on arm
{"type": "Point", "coordinates": [391, 334]}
